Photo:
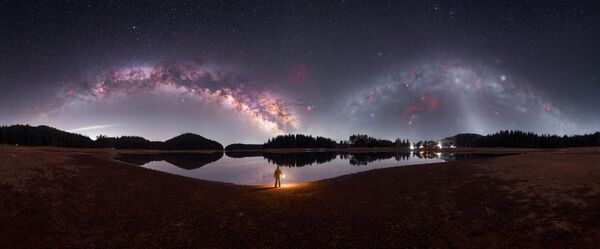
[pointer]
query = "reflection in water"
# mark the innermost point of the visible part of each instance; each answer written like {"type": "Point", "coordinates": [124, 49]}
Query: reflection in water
{"type": "Point", "coordinates": [257, 168]}
{"type": "Point", "coordinates": [242, 154]}
{"type": "Point", "coordinates": [368, 157]}
{"type": "Point", "coordinates": [426, 154]}
{"type": "Point", "coordinates": [299, 159]}
{"type": "Point", "coordinates": [182, 160]}
{"type": "Point", "coordinates": [293, 159]}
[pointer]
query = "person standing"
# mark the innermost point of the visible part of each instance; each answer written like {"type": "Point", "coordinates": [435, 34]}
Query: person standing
{"type": "Point", "coordinates": [277, 176]}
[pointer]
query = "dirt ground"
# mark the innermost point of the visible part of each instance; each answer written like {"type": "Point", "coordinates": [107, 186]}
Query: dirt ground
{"type": "Point", "coordinates": [69, 198]}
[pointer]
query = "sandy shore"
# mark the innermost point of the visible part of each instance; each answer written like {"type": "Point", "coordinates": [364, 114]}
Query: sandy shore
{"type": "Point", "coordinates": [70, 198]}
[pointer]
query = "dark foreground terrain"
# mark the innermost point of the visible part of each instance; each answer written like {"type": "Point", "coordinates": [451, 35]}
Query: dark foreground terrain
{"type": "Point", "coordinates": [63, 198]}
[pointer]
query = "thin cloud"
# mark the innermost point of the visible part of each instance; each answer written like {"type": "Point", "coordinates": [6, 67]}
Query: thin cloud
{"type": "Point", "coordinates": [93, 127]}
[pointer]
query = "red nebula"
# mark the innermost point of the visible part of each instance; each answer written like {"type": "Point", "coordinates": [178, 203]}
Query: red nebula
{"type": "Point", "coordinates": [71, 91]}
{"type": "Point", "coordinates": [408, 115]}
{"type": "Point", "coordinates": [412, 74]}
{"type": "Point", "coordinates": [478, 84]}
{"type": "Point", "coordinates": [370, 98]}
{"type": "Point", "coordinates": [431, 101]}
{"type": "Point", "coordinates": [102, 89]}
{"type": "Point", "coordinates": [298, 74]}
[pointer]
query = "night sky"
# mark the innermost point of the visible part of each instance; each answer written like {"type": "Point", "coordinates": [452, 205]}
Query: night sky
{"type": "Point", "coordinates": [245, 71]}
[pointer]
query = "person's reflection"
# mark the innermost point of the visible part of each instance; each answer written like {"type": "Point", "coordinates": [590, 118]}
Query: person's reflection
{"type": "Point", "coordinates": [277, 176]}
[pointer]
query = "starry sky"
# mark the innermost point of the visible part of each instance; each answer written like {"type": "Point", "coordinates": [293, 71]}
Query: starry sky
{"type": "Point", "coordinates": [243, 71]}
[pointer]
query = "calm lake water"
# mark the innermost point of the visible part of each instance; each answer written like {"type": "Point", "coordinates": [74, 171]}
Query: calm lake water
{"type": "Point", "coordinates": [257, 168]}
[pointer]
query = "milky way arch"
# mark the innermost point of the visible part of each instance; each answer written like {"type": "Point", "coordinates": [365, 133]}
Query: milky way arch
{"type": "Point", "coordinates": [205, 83]}
{"type": "Point", "coordinates": [455, 96]}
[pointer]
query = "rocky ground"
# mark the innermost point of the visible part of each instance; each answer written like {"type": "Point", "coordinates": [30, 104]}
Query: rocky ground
{"type": "Point", "coordinates": [68, 198]}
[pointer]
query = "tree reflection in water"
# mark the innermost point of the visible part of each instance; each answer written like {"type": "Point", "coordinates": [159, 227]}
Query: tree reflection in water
{"type": "Point", "coordinates": [301, 159]}
{"type": "Point", "coordinates": [365, 158]}
{"type": "Point", "coordinates": [191, 161]}
{"type": "Point", "coordinates": [426, 154]}
{"type": "Point", "coordinates": [242, 154]}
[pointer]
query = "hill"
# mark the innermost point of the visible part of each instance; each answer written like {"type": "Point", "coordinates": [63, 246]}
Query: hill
{"type": "Point", "coordinates": [190, 141]}
{"type": "Point", "coordinates": [462, 140]}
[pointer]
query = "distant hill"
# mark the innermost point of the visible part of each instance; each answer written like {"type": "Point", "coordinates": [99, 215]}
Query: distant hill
{"type": "Point", "coordinates": [244, 147]}
{"type": "Point", "coordinates": [190, 141]}
{"type": "Point", "coordinates": [47, 136]}
{"type": "Point", "coordinates": [462, 140]}
{"type": "Point", "coordinates": [42, 136]}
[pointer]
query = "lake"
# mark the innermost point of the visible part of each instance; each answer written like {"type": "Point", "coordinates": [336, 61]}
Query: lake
{"type": "Point", "coordinates": [257, 168]}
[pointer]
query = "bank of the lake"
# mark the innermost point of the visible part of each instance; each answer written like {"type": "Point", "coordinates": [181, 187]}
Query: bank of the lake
{"type": "Point", "coordinates": [82, 198]}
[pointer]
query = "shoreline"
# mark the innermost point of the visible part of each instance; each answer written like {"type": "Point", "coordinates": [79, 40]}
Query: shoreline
{"type": "Point", "coordinates": [57, 198]}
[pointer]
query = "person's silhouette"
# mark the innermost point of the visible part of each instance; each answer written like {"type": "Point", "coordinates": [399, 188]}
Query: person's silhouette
{"type": "Point", "coordinates": [277, 176]}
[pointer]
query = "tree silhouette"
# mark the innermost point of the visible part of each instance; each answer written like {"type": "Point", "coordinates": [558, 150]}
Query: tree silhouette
{"type": "Point", "coordinates": [299, 141]}
{"type": "Point", "coordinates": [42, 136]}
{"type": "Point", "coordinates": [363, 140]}
{"type": "Point", "coordinates": [520, 139]}
{"type": "Point", "coordinates": [244, 147]}
{"type": "Point", "coordinates": [48, 136]}
{"type": "Point", "coordinates": [426, 145]}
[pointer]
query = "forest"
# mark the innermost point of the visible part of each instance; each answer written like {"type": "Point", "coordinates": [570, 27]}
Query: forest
{"type": "Point", "coordinates": [299, 141]}
{"type": "Point", "coordinates": [47, 136]}
{"type": "Point", "coordinates": [42, 136]}
{"type": "Point", "coordinates": [238, 146]}
{"type": "Point", "coordinates": [520, 139]}
{"type": "Point", "coordinates": [363, 140]}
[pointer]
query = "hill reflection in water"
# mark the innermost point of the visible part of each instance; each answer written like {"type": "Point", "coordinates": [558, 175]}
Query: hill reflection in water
{"type": "Point", "coordinates": [182, 160]}
{"type": "Point", "coordinates": [257, 167]}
